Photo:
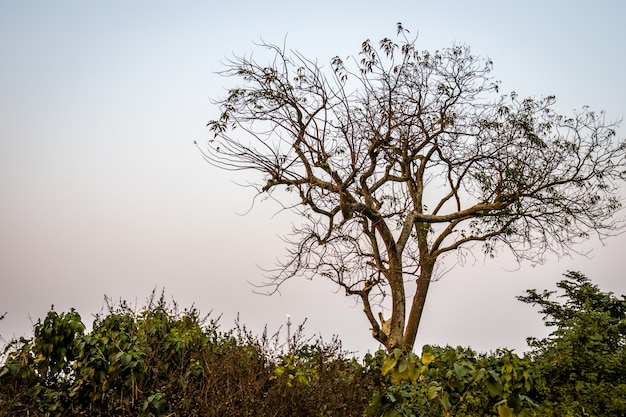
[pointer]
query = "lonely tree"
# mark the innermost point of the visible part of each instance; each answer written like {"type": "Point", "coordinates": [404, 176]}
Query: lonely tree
{"type": "Point", "coordinates": [397, 157]}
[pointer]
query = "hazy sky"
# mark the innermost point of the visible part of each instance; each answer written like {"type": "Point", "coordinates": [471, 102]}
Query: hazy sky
{"type": "Point", "coordinates": [103, 193]}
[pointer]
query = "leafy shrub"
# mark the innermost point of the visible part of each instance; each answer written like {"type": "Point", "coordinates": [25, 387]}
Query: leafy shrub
{"type": "Point", "coordinates": [162, 361]}
{"type": "Point", "coordinates": [318, 380]}
{"type": "Point", "coordinates": [581, 367]}
{"type": "Point", "coordinates": [39, 370]}
{"type": "Point", "coordinates": [452, 382]}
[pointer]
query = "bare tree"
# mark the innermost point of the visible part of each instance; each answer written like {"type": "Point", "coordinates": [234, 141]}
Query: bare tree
{"type": "Point", "coordinates": [397, 157]}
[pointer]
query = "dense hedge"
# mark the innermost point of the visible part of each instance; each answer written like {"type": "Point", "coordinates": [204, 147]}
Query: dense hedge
{"type": "Point", "coordinates": [164, 362]}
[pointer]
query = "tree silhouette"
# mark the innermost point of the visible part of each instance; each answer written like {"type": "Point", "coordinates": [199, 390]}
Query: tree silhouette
{"type": "Point", "coordinates": [397, 157]}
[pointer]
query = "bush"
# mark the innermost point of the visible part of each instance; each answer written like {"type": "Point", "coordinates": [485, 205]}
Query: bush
{"type": "Point", "coordinates": [452, 382]}
{"type": "Point", "coordinates": [581, 367]}
{"type": "Point", "coordinates": [161, 361]}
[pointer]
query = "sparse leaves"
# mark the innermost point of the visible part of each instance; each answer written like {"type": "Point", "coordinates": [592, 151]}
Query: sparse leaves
{"type": "Point", "coordinates": [430, 130]}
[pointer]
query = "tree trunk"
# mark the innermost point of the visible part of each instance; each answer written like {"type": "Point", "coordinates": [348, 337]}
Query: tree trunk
{"type": "Point", "coordinates": [398, 309]}
{"type": "Point", "coordinates": [417, 306]}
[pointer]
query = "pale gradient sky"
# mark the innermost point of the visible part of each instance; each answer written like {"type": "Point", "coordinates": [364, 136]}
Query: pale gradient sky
{"type": "Point", "coordinates": [103, 193]}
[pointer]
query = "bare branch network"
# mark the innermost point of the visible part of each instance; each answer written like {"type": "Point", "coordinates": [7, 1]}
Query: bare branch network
{"type": "Point", "coordinates": [399, 156]}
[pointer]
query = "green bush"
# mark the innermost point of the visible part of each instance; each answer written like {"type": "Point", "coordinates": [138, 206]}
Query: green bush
{"type": "Point", "coordinates": [161, 362]}
{"type": "Point", "coordinates": [452, 382]}
{"type": "Point", "coordinates": [581, 367]}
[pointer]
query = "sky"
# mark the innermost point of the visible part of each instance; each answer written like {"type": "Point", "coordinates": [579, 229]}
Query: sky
{"type": "Point", "coordinates": [102, 192]}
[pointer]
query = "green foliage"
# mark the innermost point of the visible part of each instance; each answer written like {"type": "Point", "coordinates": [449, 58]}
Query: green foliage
{"type": "Point", "coordinates": [161, 361]}
{"type": "Point", "coordinates": [318, 377]}
{"type": "Point", "coordinates": [165, 362]}
{"type": "Point", "coordinates": [451, 382]}
{"type": "Point", "coordinates": [44, 362]}
{"type": "Point", "coordinates": [121, 364]}
{"type": "Point", "coordinates": [299, 366]}
{"type": "Point", "coordinates": [581, 367]}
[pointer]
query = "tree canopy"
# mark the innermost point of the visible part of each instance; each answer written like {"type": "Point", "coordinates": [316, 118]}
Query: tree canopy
{"type": "Point", "coordinates": [397, 157]}
{"type": "Point", "coordinates": [580, 369]}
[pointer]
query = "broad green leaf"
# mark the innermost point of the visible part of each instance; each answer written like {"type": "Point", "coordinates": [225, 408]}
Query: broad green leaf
{"type": "Point", "coordinates": [459, 370]}
{"type": "Point", "coordinates": [389, 364]}
{"type": "Point", "coordinates": [495, 388]}
{"type": "Point", "coordinates": [526, 412]}
{"type": "Point", "coordinates": [505, 411]}
{"type": "Point", "coordinates": [433, 391]}
{"type": "Point", "coordinates": [427, 358]}
{"type": "Point", "coordinates": [126, 359]}
{"type": "Point", "coordinates": [403, 365]}
{"type": "Point", "coordinates": [445, 401]}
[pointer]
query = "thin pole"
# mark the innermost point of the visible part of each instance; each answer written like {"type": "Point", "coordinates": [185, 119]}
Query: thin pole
{"type": "Point", "coordinates": [288, 332]}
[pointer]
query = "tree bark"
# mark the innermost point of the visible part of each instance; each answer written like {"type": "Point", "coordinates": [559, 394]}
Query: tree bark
{"type": "Point", "coordinates": [417, 306]}
{"type": "Point", "coordinates": [396, 331]}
